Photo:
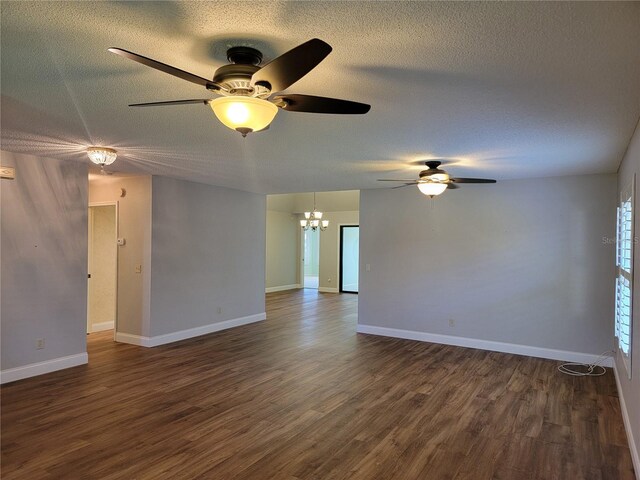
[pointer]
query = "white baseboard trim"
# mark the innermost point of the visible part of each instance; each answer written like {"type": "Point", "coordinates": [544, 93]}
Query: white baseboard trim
{"type": "Point", "coordinates": [133, 339]}
{"type": "Point", "coordinates": [40, 368]}
{"type": "Point", "coordinates": [635, 456]}
{"type": "Point", "coordinates": [281, 288]}
{"type": "Point", "coordinates": [189, 333]}
{"type": "Point", "coordinates": [327, 290]}
{"type": "Point", "coordinates": [101, 327]}
{"type": "Point", "coordinates": [205, 329]}
{"type": "Point", "coordinates": [527, 350]}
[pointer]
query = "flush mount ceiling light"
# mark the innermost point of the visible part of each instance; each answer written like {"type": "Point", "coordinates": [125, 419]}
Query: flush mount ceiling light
{"type": "Point", "coordinates": [102, 156]}
{"type": "Point", "coordinates": [434, 181]}
{"type": "Point", "coordinates": [313, 220]}
{"type": "Point", "coordinates": [250, 89]}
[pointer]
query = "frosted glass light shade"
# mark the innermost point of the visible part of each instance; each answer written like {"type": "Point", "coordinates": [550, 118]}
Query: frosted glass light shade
{"type": "Point", "coordinates": [317, 215]}
{"type": "Point", "coordinates": [307, 215]}
{"type": "Point", "coordinates": [303, 223]}
{"type": "Point", "coordinates": [325, 223]}
{"type": "Point", "coordinates": [102, 155]}
{"type": "Point", "coordinates": [244, 112]}
{"type": "Point", "coordinates": [431, 189]}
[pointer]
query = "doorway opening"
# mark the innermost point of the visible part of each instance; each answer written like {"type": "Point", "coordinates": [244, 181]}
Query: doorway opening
{"type": "Point", "coordinates": [349, 258]}
{"type": "Point", "coordinates": [102, 267]}
{"type": "Point", "coordinates": [311, 259]}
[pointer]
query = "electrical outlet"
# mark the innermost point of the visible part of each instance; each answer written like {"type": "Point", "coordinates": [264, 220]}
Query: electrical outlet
{"type": "Point", "coordinates": [138, 269]}
{"type": "Point", "coordinates": [367, 267]}
{"type": "Point", "coordinates": [329, 280]}
{"type": "Point", "coordinates": [219, 309]}
{"type": "Point", "coordinates": [452, 322]}
{"type": "Point", "coordinates": [39, 343]}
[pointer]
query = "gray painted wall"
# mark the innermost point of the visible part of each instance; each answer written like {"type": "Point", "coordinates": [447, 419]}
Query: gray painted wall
{"type": "Point", "coordinates": [631, 388]}
{"type": "Point", "coordinates": [282, 249]}
{"type": "Point", "coordinates": [208, 252]}
{"type": "Point", "coordinates": [134, 225]}
{"type": "Point", "coordinates": [520, 262]}
{"type": "Point", "coordinates": [44, 259]}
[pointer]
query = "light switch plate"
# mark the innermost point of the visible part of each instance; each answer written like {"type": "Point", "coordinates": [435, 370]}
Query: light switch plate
{"type": "Point", "coordinates": [7, 172]}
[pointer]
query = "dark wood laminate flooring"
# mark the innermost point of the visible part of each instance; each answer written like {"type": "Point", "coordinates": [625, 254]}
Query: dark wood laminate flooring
{"type": "Point", "coordinates": [302, 396]}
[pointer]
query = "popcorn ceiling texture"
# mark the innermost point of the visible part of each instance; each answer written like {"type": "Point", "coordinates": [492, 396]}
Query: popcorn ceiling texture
{"type": "Point", "coordinates": [503, 90]}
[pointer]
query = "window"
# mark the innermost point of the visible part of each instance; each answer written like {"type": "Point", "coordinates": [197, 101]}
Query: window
{"type": "Point", "coordinates": [624, 281]}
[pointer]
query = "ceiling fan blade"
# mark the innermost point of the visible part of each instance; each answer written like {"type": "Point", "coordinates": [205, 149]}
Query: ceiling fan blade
{"type": "Point", "coordinates": [204, 101]}
{"type": "Point", "coordinates": [312, 104]}
{"type": "Point", "coordinates": [452, 186]}
{"type": "Point", "coordinates": [405, 185]}
{"type": "Point", "coordinates": [472, 180]}
{"type": "Point", "coordinates": [290, 67]}
{"type": "Point", "coordinates": [163, 67]}
{"type": "Point", "coordinates": [390, 180]}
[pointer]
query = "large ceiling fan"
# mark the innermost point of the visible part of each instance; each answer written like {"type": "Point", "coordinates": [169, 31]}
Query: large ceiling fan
{"type": "Point", "coordinates": [249, 98]}
{"type": "Point", "coordinates": [434, 181]}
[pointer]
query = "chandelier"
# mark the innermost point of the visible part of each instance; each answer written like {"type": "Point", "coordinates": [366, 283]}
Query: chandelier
{"type": "Point", "coordinates": [313, 220]}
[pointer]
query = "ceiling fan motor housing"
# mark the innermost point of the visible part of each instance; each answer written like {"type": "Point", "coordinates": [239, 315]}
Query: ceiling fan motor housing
{"type": "Point", "coordinates": [235, 78]}
{"type": "Point", "coordinates": [431, 172]}
{"type": "Point", "coordinates": [434, 173]}
{"type": "Point", "coordinates": [244, 56]}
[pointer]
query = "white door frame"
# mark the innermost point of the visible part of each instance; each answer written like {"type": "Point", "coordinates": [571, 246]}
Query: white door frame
{"type": "Point", "coordinates": [301, 258]}
{"type": "Point", "coordinates": [339, 225]}
{"type": "Point", "coordinates": [115, 244]}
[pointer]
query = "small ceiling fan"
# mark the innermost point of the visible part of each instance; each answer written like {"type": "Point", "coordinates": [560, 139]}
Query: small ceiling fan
{"type": "Point", "coordinates": [248, 92]}
{"type": "Point", "coordinates": [434, 181]}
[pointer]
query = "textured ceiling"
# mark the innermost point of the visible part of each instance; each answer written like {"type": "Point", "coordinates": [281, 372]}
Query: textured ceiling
{"type": "Point", "coordinates": [503, 90]}
{"type": "Point", "coordinates": [342, 201]}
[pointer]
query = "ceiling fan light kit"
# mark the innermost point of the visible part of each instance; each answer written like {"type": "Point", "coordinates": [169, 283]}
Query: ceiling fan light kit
{"type": "Point", "coordinates": [248, 103]}
{"type": "Point", "coordinates": [432, 188]}
{"type": "Point", "coordinates": [244, 114]}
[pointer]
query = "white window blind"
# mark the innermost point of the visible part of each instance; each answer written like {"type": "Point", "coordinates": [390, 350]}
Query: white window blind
{"type": "Point", "coordinates": [624, 280]}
